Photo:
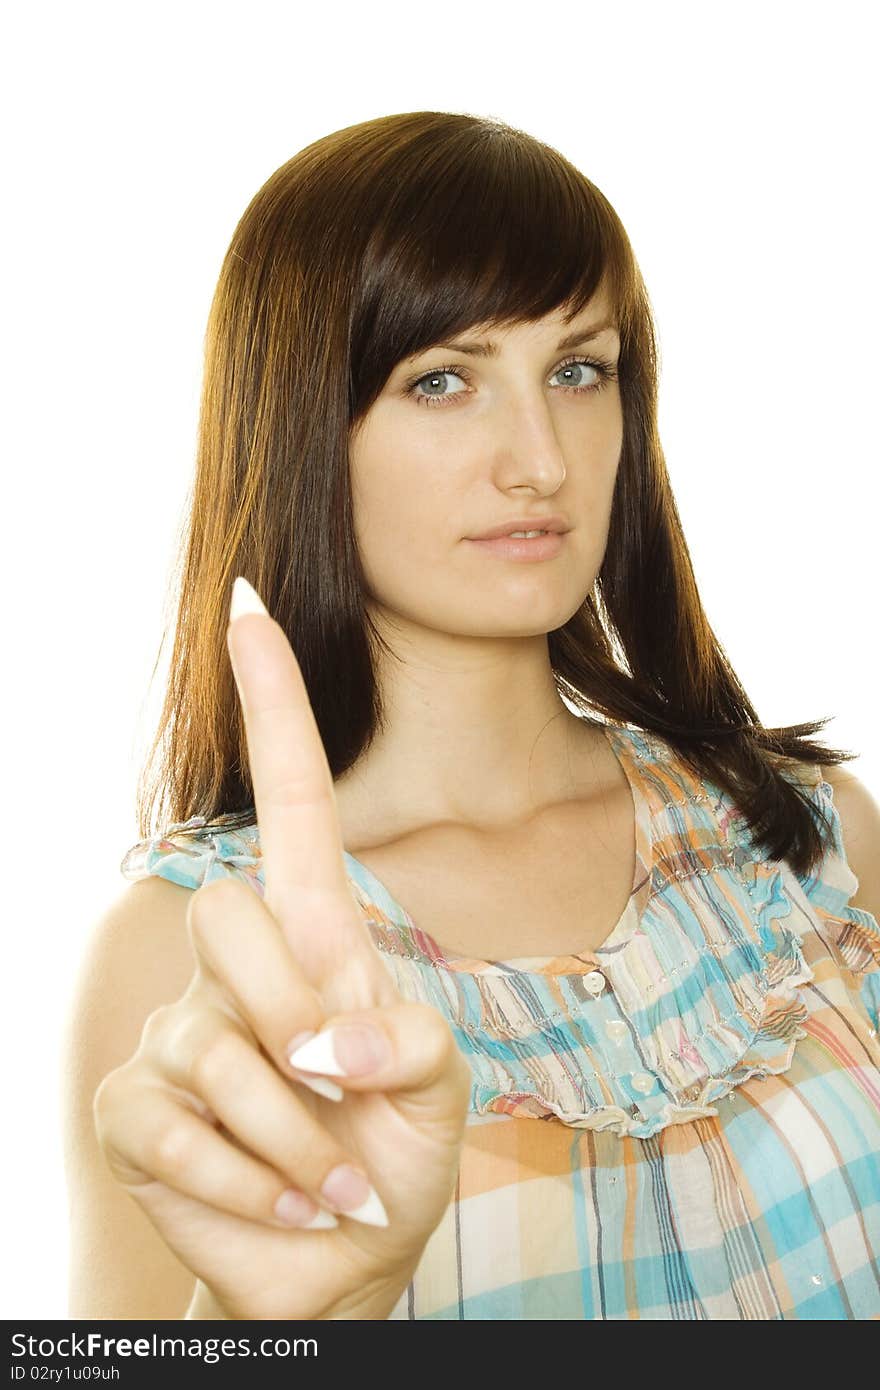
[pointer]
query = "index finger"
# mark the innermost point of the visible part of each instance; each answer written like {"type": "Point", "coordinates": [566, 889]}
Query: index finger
{"type": "Point", "coordinates": [293, 788]}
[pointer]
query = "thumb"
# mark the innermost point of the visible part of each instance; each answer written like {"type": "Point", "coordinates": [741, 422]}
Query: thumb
{"type": "Point", "coordinates": [407, 1048]}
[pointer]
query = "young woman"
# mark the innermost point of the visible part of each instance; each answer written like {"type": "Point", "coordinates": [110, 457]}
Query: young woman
{"type": "Point", "coordinates": [499, 795]}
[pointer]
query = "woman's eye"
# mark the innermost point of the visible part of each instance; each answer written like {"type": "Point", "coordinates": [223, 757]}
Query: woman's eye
{"type": "Point", "coordinates": [576, 378]}
{"type": "Point", "coordinates": [434, 379]}
{"type": "Point", "coordinates": [576, 375]}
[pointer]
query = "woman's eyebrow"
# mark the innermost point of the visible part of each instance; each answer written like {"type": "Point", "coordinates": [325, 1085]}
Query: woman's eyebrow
{"type": "Point", "coordinates": [491, 349]}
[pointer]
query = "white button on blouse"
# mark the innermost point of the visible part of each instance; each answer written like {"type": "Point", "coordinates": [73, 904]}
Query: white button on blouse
{"type": "Point", "coordinates": [642, 1081]}
{"type": "Point", "coordinates": [594, 982]}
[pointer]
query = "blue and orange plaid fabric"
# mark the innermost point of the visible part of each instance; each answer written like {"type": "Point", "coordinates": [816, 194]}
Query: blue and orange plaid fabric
{"type": "Point", "coordinates": [682, 1123]}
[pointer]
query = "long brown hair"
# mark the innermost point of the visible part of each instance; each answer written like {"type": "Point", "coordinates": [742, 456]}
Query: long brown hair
{"type": "Point", "coordinates": [369, 245]}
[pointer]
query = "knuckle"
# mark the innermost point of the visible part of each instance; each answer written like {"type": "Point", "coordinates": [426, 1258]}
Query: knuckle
{"type": "Point", "coordinates": [105, 1098]}
{"type": "Point", "coordinates": [158, 1024]}
{"type": "Point", "coordinates": [114, 1090]}
{"type": "Point", "coordinates": [170, 1035]}
{"type": "Point", "coordinates": [170, 1150]}
{"type": "Point", "coordinates": [215, 899]}
{"type": "Point", "coordinates": [217, 1061]}
{"type": "Point", "coordinates": [440, 1049]}
{"type": "Point", "coordinates": [181, 1030]}
{"type": "Point", "coordinates": [434, 1028]}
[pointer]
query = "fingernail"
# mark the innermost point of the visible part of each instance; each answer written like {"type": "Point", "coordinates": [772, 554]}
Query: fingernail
{"type": "Point", "coordinates": [345, 1050]}
{"type": "Point", "coordinates": [245, 599]}
{"type": "Point", "coordinates": [320, 1084]}
{"type": "Point", "coordinates": [323, 1086]}
{"type": "Point", "coordinates": [345, 1187]}
{"type": "Point", "coordinates": [292, 1207]}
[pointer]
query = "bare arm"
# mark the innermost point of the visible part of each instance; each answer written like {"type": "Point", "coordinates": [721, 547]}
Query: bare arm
{"type": "Point", "coordinates": [138, 958]}
{"type": "Point", "coordinates": [859, 813]}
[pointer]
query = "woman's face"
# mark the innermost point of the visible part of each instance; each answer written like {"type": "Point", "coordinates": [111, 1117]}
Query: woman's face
{"type": "Point", "coordinates": [442, 457]}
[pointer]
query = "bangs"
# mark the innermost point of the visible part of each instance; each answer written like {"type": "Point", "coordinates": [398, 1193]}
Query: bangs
{"type": "Point", "coordinates": [485, 230]}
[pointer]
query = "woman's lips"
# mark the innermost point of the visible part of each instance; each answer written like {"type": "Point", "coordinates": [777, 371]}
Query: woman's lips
{"type": "Point", "coordinates": [522, 548]}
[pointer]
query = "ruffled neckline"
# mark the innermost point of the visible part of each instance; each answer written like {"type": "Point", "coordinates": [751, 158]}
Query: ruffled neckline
{"type": "Point", "coordinates": [695, 990]}
{"type": "Point", "coordinates": [416, 941]}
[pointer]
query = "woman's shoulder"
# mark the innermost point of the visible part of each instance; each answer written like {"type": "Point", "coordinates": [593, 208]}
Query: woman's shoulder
{"type": "Point", "coordinates": [191, 853]}
{"type": "Point", "coordinates": [142, 939]}
{"type": "Point", "coordinates": [137, 957]}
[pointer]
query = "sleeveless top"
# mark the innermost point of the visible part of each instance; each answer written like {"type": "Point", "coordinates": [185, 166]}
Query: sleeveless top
{"type": "Point", "coordinates": [683, 1123]}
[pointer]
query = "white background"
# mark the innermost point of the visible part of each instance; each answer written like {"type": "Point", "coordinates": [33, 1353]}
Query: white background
{"type": "Point", "coordinates": [738, 145]}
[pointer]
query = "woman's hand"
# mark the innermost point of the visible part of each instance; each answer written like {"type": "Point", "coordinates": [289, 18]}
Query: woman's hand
{"type": "Point", "coordinates": [208, 1123]}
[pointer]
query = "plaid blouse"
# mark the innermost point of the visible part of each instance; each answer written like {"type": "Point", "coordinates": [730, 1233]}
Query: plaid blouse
{"type": "Point", "coordinates": [682, 1123]}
